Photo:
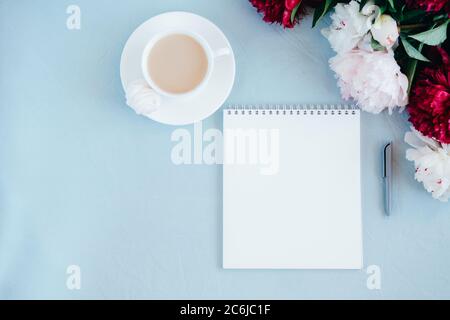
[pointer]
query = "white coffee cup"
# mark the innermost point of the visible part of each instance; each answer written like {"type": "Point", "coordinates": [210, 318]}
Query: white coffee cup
{"type": "Point", "coordinates": [211, 56]}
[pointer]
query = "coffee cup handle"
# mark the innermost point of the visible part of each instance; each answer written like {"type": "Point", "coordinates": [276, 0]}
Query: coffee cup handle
{"type": "Point", "coordinates": [222, 52]}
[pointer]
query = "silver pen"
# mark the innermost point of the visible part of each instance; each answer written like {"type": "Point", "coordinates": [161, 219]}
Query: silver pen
{"type": "Point", "coordinates": [387, 178]}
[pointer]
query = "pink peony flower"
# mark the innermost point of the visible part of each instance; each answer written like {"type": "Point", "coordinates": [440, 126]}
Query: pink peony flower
{"type": "Point", "coordinates": [429, 108]}
{"type": "Point", "coordinates": [291, 4]}
{"type": "Point", "coordinates": [372, 79]}
{"type": "Point", "coordinates": [272, 10]}
{"type": "Point", "coordinates": [429, 5]}
{"type": "Point", "coordinates": [279, 11]}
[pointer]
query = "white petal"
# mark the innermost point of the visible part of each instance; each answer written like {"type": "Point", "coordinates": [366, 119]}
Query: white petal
{"type": "Point", "coordinates": [432, 163]}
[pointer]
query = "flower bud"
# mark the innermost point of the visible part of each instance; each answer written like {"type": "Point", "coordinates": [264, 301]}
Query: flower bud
{"type": "Point", "coordinates": [385, 31]}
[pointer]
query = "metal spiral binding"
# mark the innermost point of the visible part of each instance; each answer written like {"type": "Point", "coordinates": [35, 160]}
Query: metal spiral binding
{"type": "Point", "coordinates": [291, 109]}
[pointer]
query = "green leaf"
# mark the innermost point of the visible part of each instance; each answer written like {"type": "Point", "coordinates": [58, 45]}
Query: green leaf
{"type": "Point", "coordinates": [376, 45]}
{"type": "Point", "coordinates": [434, 36]}
{"type": "Point", "coordinates": [439, 17]}
{"type": "Point", "coordinates": [322, 10]}
{"type": "Point", "coordinates": [391, 3]}
{"type": "Point", "coordinates": [412, 15]}
{"type": "Point", "coordinates": [383, 8]}
{"type": "Point", "coordinates": [413, 52]}
{"type": "Point", "coordinates": [411, 69]}
{"type": "Point", "coordinates": [294, 12]}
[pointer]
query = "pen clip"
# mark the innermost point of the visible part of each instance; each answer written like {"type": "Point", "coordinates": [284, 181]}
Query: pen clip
{"type": "Point", "coordinates": [387, 160]}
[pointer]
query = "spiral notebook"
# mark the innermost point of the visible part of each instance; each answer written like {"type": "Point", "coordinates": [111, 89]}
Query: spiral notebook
{"type": "Point", "coordinates": [291, 187]}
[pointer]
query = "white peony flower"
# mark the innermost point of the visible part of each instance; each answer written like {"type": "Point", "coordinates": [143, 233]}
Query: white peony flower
{"type": "Point", "coordinates": [141, 98]}
{"type": "Point", "coordinates": [372, 79]}
{"type": "Point", "coordinates": [385, 31]}
{"type": "Point", "coordinates": [349, 25]}
{"type": "Point", "coordinates": [432, 161]}
{"type": "Point", "coordinates": [366, 43]}
{"type": "Point", "coordinates": [372, 11]}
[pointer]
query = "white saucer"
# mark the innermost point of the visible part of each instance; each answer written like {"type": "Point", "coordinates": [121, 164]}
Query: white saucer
{"type": "Point", "coordinates": [192, 109]}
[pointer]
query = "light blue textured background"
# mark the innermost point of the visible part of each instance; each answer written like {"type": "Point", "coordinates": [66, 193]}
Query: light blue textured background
{"type": "Point", "coordinates": [83, 180]}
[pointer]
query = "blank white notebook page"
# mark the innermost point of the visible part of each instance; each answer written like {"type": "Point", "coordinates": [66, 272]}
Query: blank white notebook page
{"type": "Point", "coordinates": [291, 189]}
